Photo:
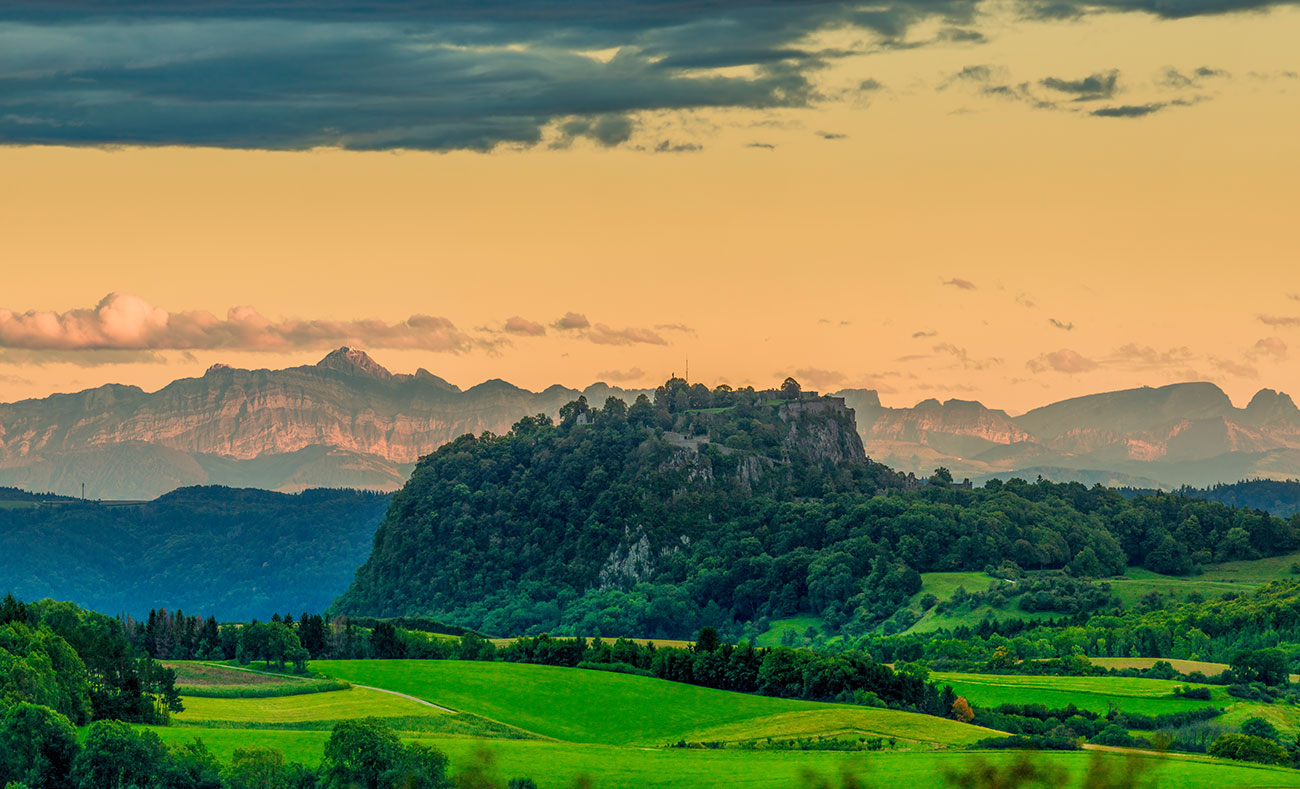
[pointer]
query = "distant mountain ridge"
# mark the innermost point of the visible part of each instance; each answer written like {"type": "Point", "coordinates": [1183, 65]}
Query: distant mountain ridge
{"type": "Point", "coordinates": [346, 421]}
{"type": "Point", "coordinates": [1167, 436]}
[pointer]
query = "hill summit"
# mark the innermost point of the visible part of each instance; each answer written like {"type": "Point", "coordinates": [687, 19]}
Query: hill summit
{"type": "Point", "coordinates": [605, 498]}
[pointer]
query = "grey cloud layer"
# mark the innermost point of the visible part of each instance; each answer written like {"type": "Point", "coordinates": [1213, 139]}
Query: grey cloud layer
{"type": "Point", "coordinates": [441, 75]}
{"type": "Point", "coordinates": [434, 76]}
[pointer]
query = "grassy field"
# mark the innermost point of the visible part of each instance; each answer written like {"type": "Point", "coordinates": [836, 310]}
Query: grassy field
{"type": "Point", "coordinates": [213, 680]}
{"type": "Point", "coordinates": [1184, 666]}
{"type": "Point", "coordinates": [332, 706]}
{"type": "Point", "coordinates": [555, 765]}
{"type": "Point", "coordinates": [622, 709]}
{"type": "Point", "coordinates": [779, 627]}
{"type": "Point", "coordinates": [1130, 694]}
{"type": "Point", "coordinates": [610, 726]}
{"type": "Point", "coordinates": [194, 674]}
{"type": "Point", "coordinates": [1211, 585]}
{"type": "Point", "coordinates": [658, 642]}
{"type": "Point", "coordinates": [943, 585]}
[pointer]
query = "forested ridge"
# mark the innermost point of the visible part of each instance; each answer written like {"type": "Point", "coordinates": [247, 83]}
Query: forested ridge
{"type": "Point", "coordinates": [720, 507]}
{"type": "Point", "coordinates": [234, 553]}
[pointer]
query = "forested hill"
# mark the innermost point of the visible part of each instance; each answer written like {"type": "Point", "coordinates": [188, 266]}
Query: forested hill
{"type": "Point", "coordinates": [718, 508]}
{"type": "Point", "coordinates": [1279, 497]}
{"type": "Point", "coordinates": [232, 553]}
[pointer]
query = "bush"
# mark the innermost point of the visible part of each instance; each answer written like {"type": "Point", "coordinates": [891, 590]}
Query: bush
{"type": "Point", "coordinates": [1038, 742]}
{"type": "Point", "coordinates": [1188, 692]}
{"type": "Point", "coordinates": [1246, 748]}
{"type": "Point", "coordinates": [1113, 736]}
{"type": "Point", "coordinates": [1258, 727]}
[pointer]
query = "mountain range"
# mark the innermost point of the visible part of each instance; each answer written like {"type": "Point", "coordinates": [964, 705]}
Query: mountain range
{"type": "Point", "coordinates": [1168, 436]}
{"type": "Point", "coordinates": [346, 421]}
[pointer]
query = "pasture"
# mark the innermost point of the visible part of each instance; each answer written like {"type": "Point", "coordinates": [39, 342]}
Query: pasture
{"type": "Point", "coordinates": [1130, 694]}
{"type": "Point", "coordinates": [556, 725]}
{"type": "Point", "coordinates": [556, 765]}
{"type": "Point", "coordinates": [622, 709]}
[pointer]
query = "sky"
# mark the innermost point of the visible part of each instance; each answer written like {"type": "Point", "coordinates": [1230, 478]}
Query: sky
{"type": "Point", "coordinates": [1016, 201]}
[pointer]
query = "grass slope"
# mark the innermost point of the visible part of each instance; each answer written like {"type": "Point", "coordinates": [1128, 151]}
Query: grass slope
{"type": "Point", "coordinates": [778, 628]}
{"type": "Point", "coordinates": [943, 585]}
{"type": "Point", "coordinates": [620, 709]}
{"type": "Point", "coordinates": [1130, 694]}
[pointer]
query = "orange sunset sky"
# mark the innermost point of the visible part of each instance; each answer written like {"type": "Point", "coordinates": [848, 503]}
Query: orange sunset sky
{"type": "Point", "coordinates": [988, 203]}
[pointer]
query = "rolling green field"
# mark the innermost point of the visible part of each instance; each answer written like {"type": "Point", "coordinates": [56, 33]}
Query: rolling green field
{"type": "Point", "coordinates": [613, 728]}
{"type": "Point", "coordinates": [555, 765]}
{"type": "Point", "coordinates": [622, 709]}
{"type": "Point", "coordinates": [1130, 694]}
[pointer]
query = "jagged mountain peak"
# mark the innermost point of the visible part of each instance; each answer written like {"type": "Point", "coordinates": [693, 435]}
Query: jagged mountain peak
{"type": "Point", "coordinates": [1270, 405]}
{"type": "Point", "coordinates": [353, 361]}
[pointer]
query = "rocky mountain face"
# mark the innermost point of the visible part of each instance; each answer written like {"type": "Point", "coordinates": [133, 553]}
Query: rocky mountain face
{"type": "Point", "coordinates": [1149, 437]}
{"type": "Point", "coordinates": [348, 422]}
{"type": "Point", "coordinates": [343, 422]}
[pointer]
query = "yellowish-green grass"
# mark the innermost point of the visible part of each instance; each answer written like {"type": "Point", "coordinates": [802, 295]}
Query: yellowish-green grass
{"type": "Point", "coordinates": [1182, 666]}
{"type": "Point", "coordinates": [555, 765]}
{"type": "Point", "coordinates": [1130, 694]}
{"type": "Point", "coordinates": [332, 706]}
{"type": "Point", "coordinates": [619, 709]}
{"type": "Point", "coordinates": [658, 642]}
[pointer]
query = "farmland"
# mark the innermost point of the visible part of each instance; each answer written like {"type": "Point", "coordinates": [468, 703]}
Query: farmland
{"type": "Point", "coordinates": [556, 725]}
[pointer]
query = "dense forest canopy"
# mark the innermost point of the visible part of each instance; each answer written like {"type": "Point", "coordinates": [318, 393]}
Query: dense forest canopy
{"type": "Point", "coordinates": [234, 553]}
{"type": "Point", "coordinates": [720, 507]}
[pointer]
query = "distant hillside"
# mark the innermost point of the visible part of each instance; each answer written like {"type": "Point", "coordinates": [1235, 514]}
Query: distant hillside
{"type": "Point", "coordinates": [231, 553]}
{"type": "Point", "coordinates": [1183, 434]}
{"type": "Point", "coordinates": [727, 507]}
{"type": "Point", "coordinates": [343, 422]}
{"type": "Point", "coordinates": [1277, 497]}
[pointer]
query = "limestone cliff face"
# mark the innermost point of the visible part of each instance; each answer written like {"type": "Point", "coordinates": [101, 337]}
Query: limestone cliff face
{"type": "Point", "coordinates": [349, 420]}
{"type": "Point", "coordinates": [822, 429]}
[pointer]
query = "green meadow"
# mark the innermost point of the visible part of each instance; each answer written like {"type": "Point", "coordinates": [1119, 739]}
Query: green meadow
{"type": "Point", "coordinates": [557, 725]}
{"type": "Point", "coordinates": [1097, 694]}
{"type": "Point", "coordinates": [556, 765]}
{"type": "Point", "coordinates": [621, 709]}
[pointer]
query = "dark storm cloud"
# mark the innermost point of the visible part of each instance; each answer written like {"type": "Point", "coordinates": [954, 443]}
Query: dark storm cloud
{"type": "Point", "coordinates": [419, 75]}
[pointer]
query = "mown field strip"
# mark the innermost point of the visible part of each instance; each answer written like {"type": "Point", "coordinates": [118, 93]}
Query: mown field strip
{"type": "Point", "coordinates": [330, 706]}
